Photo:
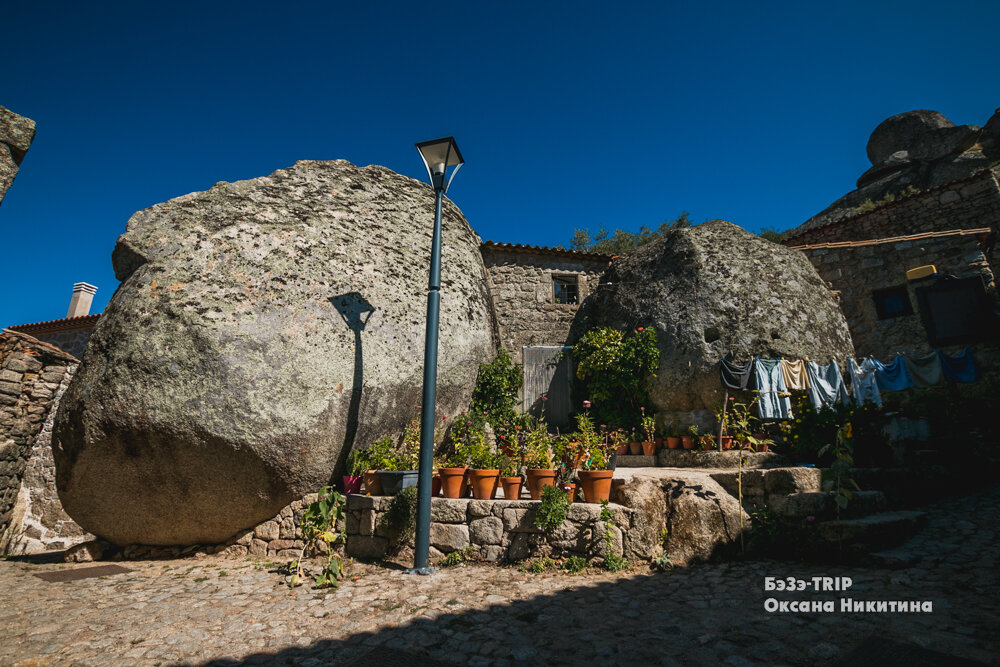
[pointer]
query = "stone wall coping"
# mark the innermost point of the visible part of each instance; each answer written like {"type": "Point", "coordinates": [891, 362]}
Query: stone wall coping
{"type": "Point", "coordinates": [578, 510]}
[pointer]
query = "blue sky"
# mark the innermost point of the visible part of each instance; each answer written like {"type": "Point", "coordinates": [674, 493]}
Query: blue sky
{"type": "Point", "coordinates": [569, 114]}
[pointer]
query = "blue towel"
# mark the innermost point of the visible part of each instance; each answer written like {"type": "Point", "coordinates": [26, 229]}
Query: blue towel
{"type": "Point", "coordinates": [893, 376]}
{"type": "Point", "coordinates": [863, 383]}
{"type": "Point", "coordinates": [826, 385]}
{"type": "Point", "coordinates": [960, 368]}
{"type": "Point", "coordinates": [771, 385]}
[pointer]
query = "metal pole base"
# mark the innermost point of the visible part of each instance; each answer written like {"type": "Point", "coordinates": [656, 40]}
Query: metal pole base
{"type": "Point", "coordinates": [421, 570]}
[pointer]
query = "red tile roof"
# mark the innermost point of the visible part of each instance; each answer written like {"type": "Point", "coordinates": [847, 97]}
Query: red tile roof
{"type": "Point", "coordinates": [65, 324]}
{"type": "Point", "coordinates": [895, 239]}
{"type": "Point", "coordinates": [542, 250]}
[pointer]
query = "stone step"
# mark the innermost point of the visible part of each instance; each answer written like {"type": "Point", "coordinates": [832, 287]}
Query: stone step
{"type": "Point", "coordinates": [873, 532]}
{"type": "Point", "coordinates": [683, 458]}
{"type": "Point", "coordinates": [823, 505]}
{"type": "Point", "coordinates": [760, 484]}
{"type": "Point", "coordinates": [630, 461]}
{"type": "Point", "coordinates": [893, 559]}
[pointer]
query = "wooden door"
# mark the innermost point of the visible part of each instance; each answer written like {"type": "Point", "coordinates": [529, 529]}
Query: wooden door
{"type": "Point", "coordinates": [548, 372]}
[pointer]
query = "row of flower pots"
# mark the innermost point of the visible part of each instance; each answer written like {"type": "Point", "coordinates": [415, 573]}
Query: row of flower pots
{"type": "Point", "coordinates": [689, 442]}
{"type": "Point", "coordinates": [595, 485]}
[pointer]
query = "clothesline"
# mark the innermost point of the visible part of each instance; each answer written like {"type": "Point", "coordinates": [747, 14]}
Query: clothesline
{"type": "Point", "coordinates": [774, 378]}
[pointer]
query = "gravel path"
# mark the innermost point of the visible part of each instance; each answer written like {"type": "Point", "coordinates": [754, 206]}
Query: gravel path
{"type": "Point", "coordinates": [234, 612]}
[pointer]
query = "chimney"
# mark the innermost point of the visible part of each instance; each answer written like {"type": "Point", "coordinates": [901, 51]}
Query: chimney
{"type": "Point", "coordinates": [83, 295]}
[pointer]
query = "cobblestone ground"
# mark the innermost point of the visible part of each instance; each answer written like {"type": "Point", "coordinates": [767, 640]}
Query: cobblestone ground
{"type": "Point", "coordinates": [224, 612]}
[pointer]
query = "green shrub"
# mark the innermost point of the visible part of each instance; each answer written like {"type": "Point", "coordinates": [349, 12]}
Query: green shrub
{"type": "Point", "coordinates": [615, 369]}
{"type": "Point", "coordinates": [575, 564]}
{"type": "Point", "coordinates": [400, 517]}
{"type": "Point", "coordinates": [497, 386]}
{"type": "Point", "coordinates": [552, 509]}
{"type": "Point", "coordinates": [463, 555]}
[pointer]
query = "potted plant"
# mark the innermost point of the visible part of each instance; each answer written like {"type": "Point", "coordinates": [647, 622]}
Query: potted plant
{"type": "Point", "coordinates": [691, 439]}
{"type": "Point", "coordinates": [484, 470]}
{"type": "Point", "coordinates": [510, 479]}
{"type": "Point", "coordinates": [724, 418]}
{"type": "Point", "coordinates": [634, 444]}
{"type": "Point", "coordinates": [540, 466]}
{"type": "Point", "coordinates": [595, 471]}
{"type": "Point", "coordinates": [356, 464]}
{"type": "Point", "coordinates": [377, 457]}
{"type": "Point", "coordinates": [671, 437]}
{"type": "Point", "coordinates": [401, 471]}
{"type": "Point", "coordinates": [649, 430]}
{"type": "Point", "coordinates": [619, 440]}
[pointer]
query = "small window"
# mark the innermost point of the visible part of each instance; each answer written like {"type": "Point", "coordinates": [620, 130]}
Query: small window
{"type": "Point", "coordinates": [956, 310]}
{"type": "Point", "coordinates": [892, 302]}
{"type": "Point", "coordinates": [566, 289]}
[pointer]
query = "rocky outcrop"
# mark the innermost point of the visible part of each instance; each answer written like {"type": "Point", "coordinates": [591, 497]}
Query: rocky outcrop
{"type": "Point", "coordinates": [702, 521]}
{"type": "Point", "coordinates": [911, 152]}
{"type": "Point", "coordinates": [261, 329]}
{"type": "Point", "coordinates": [16, 135]}
{"type": "Point", "coordinates": [713, 290]}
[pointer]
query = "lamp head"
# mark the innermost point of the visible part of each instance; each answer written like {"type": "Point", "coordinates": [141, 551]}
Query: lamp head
{"type": "Point", "coordinates": [439, 155]}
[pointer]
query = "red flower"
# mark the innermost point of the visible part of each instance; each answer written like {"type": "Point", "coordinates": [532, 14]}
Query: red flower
{"type": "Point", "coordinates": [639, 329]}
{"type": "Point", "coordinates": [544, 399]}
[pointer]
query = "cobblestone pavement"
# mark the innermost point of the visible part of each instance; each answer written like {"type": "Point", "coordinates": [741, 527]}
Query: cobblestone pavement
{"type": "Point", "coordinates": [234, 612]}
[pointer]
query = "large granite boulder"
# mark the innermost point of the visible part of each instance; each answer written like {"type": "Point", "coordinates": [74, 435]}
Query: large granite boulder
{"type": "Point", "coordinates": [16, 135]}
{"type": "Point", "coordinates": [916, 150]}
{"type": "Point", "coordinates": [262, 328]}
{"type": "Point", "coordinates": [712, 290]}
{"type": "Point", "coordinates": [925, 135]}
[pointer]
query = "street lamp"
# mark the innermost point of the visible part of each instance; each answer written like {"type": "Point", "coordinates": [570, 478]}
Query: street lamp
{"type": "Point", "coordinates": [438, 156]}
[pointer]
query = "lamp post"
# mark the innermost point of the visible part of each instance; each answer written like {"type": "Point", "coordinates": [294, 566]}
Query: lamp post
{"type": "Point", "coordinates": [438, 155]}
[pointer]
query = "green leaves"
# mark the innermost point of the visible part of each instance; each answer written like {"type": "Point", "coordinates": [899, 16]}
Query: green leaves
{"type": "Point", "coordinates": [496, 389]}
{"type": "Point", "coordinates": [616, 369]}
{"type": "Point", "coordinates": [552, 509]}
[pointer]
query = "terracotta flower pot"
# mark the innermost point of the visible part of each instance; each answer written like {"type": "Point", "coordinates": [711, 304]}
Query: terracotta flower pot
{"type": "Point", "coordinates": [673, 442]}
{"type": "Point", "coordinates": [373, 485]}
{"type": "Point", "coordinates": [452, 481]}
{"type": "Point", "coordinates": [688, 441]}
{"type": "Point", "coordinates": [658, 440]}
{"type": "Point", "coordinates": [352, 483]}
{"type": "Point", "coordinates": [484, 483]}
{"type": "Point", "coordinates": [622, 449]}
{"type": "Point", "coordinates": [635, 448]}
{"type": "Point", "coordinates": [570, 489]}
{"type": "Point", "coordinates": [727, 441]}
{"type": "Point", "coordinates": [435, 486]}
{"type": "Point", "coordinates": [511, 487]}
{"type": "Point", "coordinates": [539, 477]}
{"type": "Point", "coordinates": [648, 448]}
{"type": "Point", "coordinates": [596, 485]}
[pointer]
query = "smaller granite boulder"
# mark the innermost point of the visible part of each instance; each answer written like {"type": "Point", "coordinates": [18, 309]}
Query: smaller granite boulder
{"type": "Point", "coordinates": [925, 135]}
{"type": "Point", "coordinates": [16, 135]}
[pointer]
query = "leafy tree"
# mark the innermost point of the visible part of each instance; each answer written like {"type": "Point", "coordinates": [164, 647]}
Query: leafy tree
{"type": "Point", "coordinates": [621, 240]}
{"type": "Point", "coordinates": [616, 368]}
{"type": "Point", "coordinates": [496, 389]}
{"type": "Point", "coordinates": [772, 234]}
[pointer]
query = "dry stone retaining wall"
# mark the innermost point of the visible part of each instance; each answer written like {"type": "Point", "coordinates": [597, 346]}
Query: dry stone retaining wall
{"type": "Point", "coordinates": [498, 530]}
{"type": "Point", "coordinates": [33, 376]}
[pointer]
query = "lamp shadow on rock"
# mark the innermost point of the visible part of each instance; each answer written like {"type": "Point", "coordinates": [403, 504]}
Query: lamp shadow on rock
{"type": "Point", "coordinates": [355, 310]}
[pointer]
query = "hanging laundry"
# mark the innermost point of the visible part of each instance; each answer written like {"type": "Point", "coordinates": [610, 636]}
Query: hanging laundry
{"type": "Point", "coordinates": [771, 384]}
{"type": "Point", "coordinates": [826, 384]}
{"type": "Point", "coordinates": [960, 368]}
{"type": "Point", "coordinates": [735, 376]}
{"type": "Point", "coordinates": [893, 376]}
{"type": "Point", "coordinates": [925, 371]}
{"type": "Point", "coordinates": [863, 384]}
{"type": "Point", "coordinates": [794, 373]}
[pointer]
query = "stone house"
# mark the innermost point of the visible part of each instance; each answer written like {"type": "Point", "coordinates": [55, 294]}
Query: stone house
{"type": "Point", "coordinates": [71, 333]}
{"type": "Point", "coordinates": [869, 258]}
{"type": "Point", "coordinates": [536, 294]}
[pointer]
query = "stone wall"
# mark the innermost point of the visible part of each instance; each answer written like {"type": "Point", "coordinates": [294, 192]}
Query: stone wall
{"type": "Point", "coordinates": [71, 341]}
{"type": "Point", "coordinates": [856, 271]}
{"type": "Point", "coordinates": [965, 204]}
{"type": "Point", "coordinates": [520, 283]}
{"type": "Point", "coordinates": [498, 530]}
{"type": "Point", "coordinates": [33, 375]}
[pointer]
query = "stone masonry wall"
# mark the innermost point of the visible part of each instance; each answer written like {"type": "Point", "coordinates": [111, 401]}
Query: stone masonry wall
{"type": "Point", "coordinates": [32, 375]}
{"type": "Point", "coordinates": [520, 283]}
{"type": "Point", "coordinates": [498, 530]}
{"type": "Point", "coordinates": [857, 271]}
{"type": "Point", "coordinates": [966, 204]}
{"type": "Point", "coordinates": [72, 341]}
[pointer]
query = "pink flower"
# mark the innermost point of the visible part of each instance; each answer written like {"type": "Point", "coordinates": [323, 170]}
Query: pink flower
{"type": "Point", "coordinates": [586, 404]}
{"type": "Point", "coordinates": [810, 518]}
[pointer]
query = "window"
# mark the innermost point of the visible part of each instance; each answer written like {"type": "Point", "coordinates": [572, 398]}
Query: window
{"type": "Point", "coordinates": [892, 302]}
{"type": "Point", "coordinates": [956, 310]}
{"type": "Point", "coordinates": [566, 289]}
